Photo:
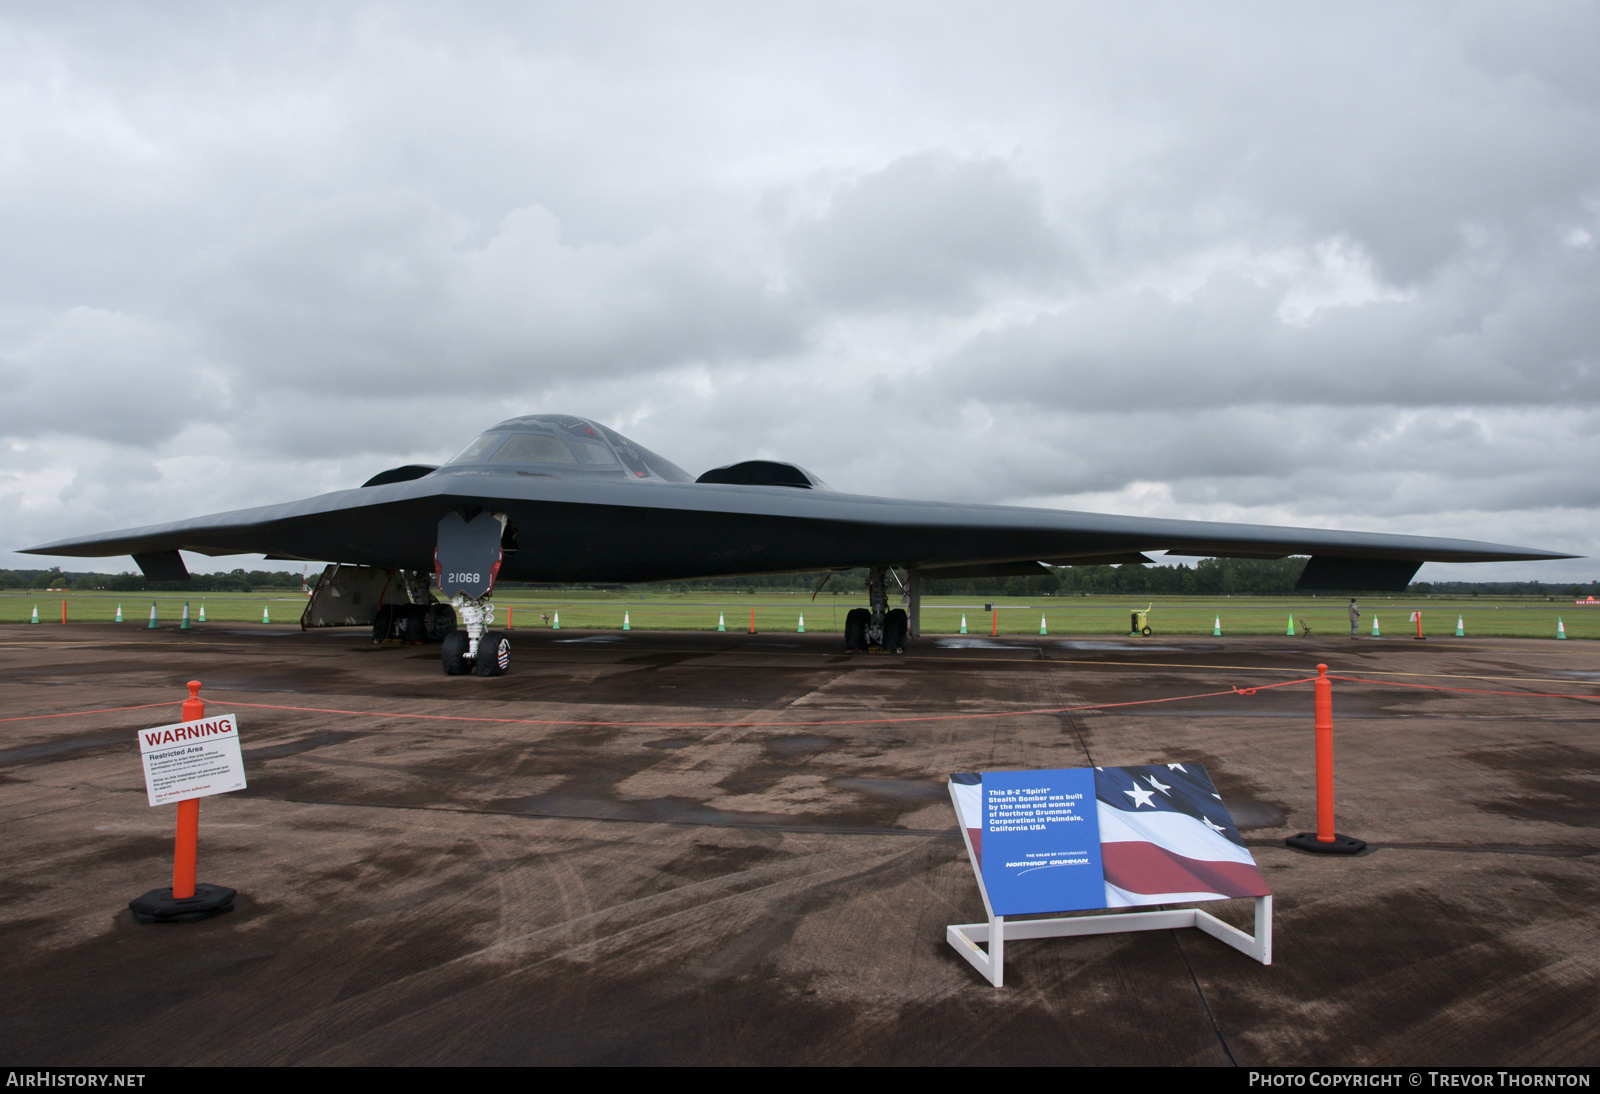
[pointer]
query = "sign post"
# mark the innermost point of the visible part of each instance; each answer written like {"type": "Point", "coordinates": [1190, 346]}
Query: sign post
{"type": "Point", "coordinates": [183, 763]}
{"type": "Point", "coordinates": [1081, 839]}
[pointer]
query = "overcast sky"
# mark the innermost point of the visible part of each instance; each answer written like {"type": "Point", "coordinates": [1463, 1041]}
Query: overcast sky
{"type": "Point", "coordinates": [1331, 265]}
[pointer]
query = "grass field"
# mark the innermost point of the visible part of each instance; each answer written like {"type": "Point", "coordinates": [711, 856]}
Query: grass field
{"type": "Point", "coordinates": [777, 612]}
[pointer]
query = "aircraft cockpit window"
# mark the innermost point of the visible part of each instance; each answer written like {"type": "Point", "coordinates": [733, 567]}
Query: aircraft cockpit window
{"type": "Point", "coordinates": [479, 450]}
{"type": "Point", "coordinates": [593, 454]}
{"type": "Point", "coordinates": [533, 448]}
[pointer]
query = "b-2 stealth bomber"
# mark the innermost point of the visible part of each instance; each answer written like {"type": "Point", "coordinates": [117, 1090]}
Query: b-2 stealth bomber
{"type": "Point", "coordinates": [554, 498]}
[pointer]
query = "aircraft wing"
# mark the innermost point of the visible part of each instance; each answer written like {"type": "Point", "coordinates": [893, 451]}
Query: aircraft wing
{"type": "Point", "coordinates": [575, 530]}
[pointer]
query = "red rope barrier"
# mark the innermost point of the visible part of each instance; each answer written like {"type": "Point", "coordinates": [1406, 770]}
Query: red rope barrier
{"type": "Point", "coordinates": [102, 710]}
{"type": "Point", "coordinates": [753, 725]}
{"type": "Point", "coordinates": [1234, 690]}
{"type": "Point", "coordinates": [1473, 691]}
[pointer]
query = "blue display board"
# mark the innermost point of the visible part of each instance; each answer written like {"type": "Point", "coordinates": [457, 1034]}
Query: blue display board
{"type": "Point", "coordinates": [1075, 839]}
{"type": "Point", "coordinates": [1041, 841]}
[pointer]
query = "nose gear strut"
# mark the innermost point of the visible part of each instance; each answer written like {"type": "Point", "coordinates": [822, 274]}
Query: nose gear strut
{"type": "Point", "coordinates": [466, 562]}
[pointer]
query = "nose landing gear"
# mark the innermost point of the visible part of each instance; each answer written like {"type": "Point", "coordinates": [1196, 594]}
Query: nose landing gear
{"type": "Point", "coordinates": [466, 562]}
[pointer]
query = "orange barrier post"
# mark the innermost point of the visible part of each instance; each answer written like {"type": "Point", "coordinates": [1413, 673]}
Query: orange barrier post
{"type": "Point", "coordinates": [994, 628]}
{"type": "Point", "coordinates": [63, 613]}
{"type": "Point", "coordinates": [1325, 840]}
{"type": "Point", "coordinates": [186, 845]}
{"type": "Point", "coordinates": [511, 613]}
{"type": "Point", "coordinates": [186, 901]}
{"type": "Point", "coordinates": [1323, 728]}
{"type": "Point", "coordinates": [752, 621]}
{"type": "Point", "coordinates": [1419, 624]}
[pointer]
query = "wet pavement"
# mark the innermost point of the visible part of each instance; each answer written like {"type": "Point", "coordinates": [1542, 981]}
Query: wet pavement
{"type": "Point", "coordinates": [723, 848]}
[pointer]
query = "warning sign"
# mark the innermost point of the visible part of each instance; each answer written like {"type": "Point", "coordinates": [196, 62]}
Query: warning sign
{"type": "Point", "coordinates": [192, 759]}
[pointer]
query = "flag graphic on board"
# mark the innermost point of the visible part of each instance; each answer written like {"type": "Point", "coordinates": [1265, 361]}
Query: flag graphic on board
{"type": "Point", "coordinates": [1165, 836]}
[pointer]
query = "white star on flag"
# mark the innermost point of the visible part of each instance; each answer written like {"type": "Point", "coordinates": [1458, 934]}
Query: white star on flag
{"type": "Point", "coordinates": [1163, 787]}
{"type": "Point", "coordinates": [1140, 797]}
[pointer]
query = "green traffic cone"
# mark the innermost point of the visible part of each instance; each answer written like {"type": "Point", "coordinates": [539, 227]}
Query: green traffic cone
{"type": "Point", "coordinates": [721, 623]}
{"type": "Point", "coordinates": [1041, 626]}
{"type": "Point", "coordinates": [184, 626]}
{"type": "Point", "coordinates": [265, 618]}
{"type": "Point", "coordinates": [1290, 631]}
{"type": "Point", "coordinates": [202, 611]}
{"type": "Point", "coordinates": [555, 624]}
{"type": "Point", "coordinates": [801, 629]}
{"type": "Point", "coordinates": [119, 613]}
{"type": "Point", "coordinates": [152, 625]}
{"type": "Point", "coordinates": [625, 625]}
{"type": "Point", "coordinates": [1375, 633]}
{"type": "Point", "coordinates": [1216, 628]}
{"type": "Point", "coordinates": [1460, 629]}
{"type": "Point", "coordinates": [1561, 630]}
{"type": "Point", "coordinates": [35, 618]}
{"type": "Point", "coordinates": [963, 624]}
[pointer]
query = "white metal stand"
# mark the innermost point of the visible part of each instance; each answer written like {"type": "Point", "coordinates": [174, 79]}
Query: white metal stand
{"type": "Point", "coordinates": [967, 937]}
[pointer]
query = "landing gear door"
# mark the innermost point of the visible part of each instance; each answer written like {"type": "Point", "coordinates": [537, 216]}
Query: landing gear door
{"type": "Point", "coordinates": [467, 558]}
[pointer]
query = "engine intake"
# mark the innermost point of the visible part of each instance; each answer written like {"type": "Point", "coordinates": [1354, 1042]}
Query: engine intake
{"type": "Point", "coordinates": [764, 473]}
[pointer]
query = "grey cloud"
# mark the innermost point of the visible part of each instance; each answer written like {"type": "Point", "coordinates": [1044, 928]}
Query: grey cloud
{"type": "Point", "coordinates": [928, 230]}
{"type": "Point", "coordinates": [1326, 265]}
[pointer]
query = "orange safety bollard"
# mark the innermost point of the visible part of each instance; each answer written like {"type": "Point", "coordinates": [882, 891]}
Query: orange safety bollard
{"type": "Point", "coordinates": [752, 621]}
{"type": "Point", "coordinates": [186, 901]}
{"type": "Point", "coordinates": [63, 613]}
{"type": "Point", "coordinates": [186, 845]}
{"type": "Point", "coordinates": [994, 628]}
{"type": "Point", "coordinates": [1325, 840]}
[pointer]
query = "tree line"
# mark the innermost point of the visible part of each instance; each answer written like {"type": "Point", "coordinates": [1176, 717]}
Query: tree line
{"type": "Point", "coordinates": [233, 581]}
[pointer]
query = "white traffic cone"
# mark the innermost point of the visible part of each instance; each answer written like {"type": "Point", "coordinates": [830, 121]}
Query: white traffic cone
{"type": "Point", "coordinates": [153, 626]}
{"type": "Point", "coordinates": [184, 626]}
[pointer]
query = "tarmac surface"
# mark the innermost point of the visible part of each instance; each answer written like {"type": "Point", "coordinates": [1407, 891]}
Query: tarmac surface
{"type": "Point", "coordinates": [734, 849]}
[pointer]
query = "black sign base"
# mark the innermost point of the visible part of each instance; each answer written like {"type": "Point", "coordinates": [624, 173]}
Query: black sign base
{"type": "Point", "coordinates": [1341, 845]}
{"type": "Point", "coordinates": [158, 905]}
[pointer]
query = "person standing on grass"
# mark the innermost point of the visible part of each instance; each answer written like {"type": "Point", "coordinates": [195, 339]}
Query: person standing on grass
{"type": "Point", "coordinates": [1355, 616]}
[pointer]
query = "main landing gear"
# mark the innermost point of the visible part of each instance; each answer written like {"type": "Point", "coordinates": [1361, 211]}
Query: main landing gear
{"type": "Point", "coordinates": [878, 627]}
